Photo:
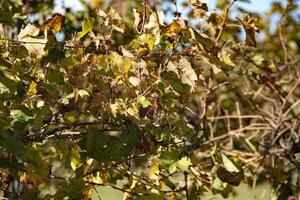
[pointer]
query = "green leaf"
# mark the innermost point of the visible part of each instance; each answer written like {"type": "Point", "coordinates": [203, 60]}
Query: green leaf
{"type": "Point", "coordinates": [70, 117]}
{"type": "Point", "coordinates": [55, 76]}
{"type": "Point", "coordinates": [25, 153]}
{"type": "Point", "coordinates": [184, 163]}
{"type": "Point", "coordinates": [53, 55]}
{"type": "Point", "coordinates": [32, 88]}
{"type": "Point", "coordinates": [144, 102]}
{"type": "Point", "coordinates": [6, 17]}
{"type": "Point", "coordinates": [87, 26]}
{"type": "Point", "coordinates": [9, 83]}
{"type": "Point", "coordinates": [229, 165]}
{"type": "Point", "coordinates": [4, 63]}
{"type": "Point", "coordinates": [104, 147]}
{"type": "Point", "coordinates": [168, 160]}
{"type": "Point", "coordinates": [192, 34]}
{"type": "Point", "coordinates": [83, 93]}
{"type": "Point", "coordinates": [183, 69]}
{"type": "Point", "coordinates": [20, 116]}
{"type": "Point", "coordinates": [218, 184]}
{"type": "Point", "coordinates": [3, 88]}
{"type": "Point", "coordinates": [129, 137]}
{"type": "Point", "coordinates": [151, 196]}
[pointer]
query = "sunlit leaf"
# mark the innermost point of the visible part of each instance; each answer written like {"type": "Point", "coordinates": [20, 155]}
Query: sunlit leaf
{"type": "Point", "coordinates": [20, 116]}
{"type": "Point", "coordinates": [54, 23]}
{"type": "Point", "coordinates": [228, 164]}
{"type": "Point", "coordinates": [144, 102]}
{"type": "Point", "coordinates": [30, 30]}
{"type": "Point", "coordinates": [32, 88]}
{"type": "Point", "coordinates": [87, 26]}
{"type": "Point", "coordinates": [3, 88]}
{"type": "Point", "coordinates": [184, 163]}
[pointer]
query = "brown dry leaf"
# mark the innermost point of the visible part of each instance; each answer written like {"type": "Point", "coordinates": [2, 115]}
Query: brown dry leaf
{"type": "Point", "coordinates": [249, 25]}
{"type": "Point", "coordinates": [199, 9]}
{"type": "Point", "coordinates": [33, 45]}
{"type": "Point", "coordinates": [54, 23]}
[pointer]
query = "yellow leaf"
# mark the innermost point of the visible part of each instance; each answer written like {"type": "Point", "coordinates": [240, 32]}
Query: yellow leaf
{"type": "Point", "coordinates": [32, 89]}
{"type": "Point", "coordinates": [154, 170]}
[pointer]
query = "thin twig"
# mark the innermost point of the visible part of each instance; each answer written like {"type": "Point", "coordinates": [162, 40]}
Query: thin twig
{"type": "Point", "coordinates": [235, 117]}
{"type": "Point", "coordinates": [282, 42]}
{"type": "Point", "coordinates": [290, 93]}
{"type": "Point", "coordinates": [116, 188]}
{"type": "Point", "coordinates": [186, 188]}
{"type": "Point", "coordinates": [223, 25]}
{"type": "Point", "coordinates": [42, 43]}
{"type": "Point", "coordinates": [144, 16]}
{"type": "Point", "coordinates": [282, 34]}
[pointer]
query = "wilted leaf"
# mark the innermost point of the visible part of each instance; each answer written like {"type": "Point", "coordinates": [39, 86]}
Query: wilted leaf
{"type": "Point", "coordinates": [154, 169]}
{"type": "Point", "coordinates": [101, 13]}
{"type": "Point", "coordinates": [35, 46]}
{"type": "Point", "coordinates": [54, 23]}
{"type": "Point", "coordinates": [231, 178]}
{"type": "Point", "coordinates": [30, 30]}
{"type": "Point", "coordinates": [113, 14]}
{"type": "Point", "coordinates": [118, 29]}
{"type": "Point", "coordinates": [185, 72]}
{"type": "Point", "coordinates": [250, 29]}
{"type": "Point", "coordinates": [193, 35]}
{"type": "Point", "coordinates": [199, 9]}
{"type": "Point", "coordinates": [137, 19]}
{"type": "Point", "coordinates": [225, 57]}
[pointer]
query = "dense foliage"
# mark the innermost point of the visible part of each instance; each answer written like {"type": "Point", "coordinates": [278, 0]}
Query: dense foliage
{"type": "Point", "coordinates": [112, 96]}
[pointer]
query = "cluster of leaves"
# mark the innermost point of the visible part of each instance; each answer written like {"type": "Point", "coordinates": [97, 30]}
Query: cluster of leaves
{"type": "Point", "coordinates": [196, 107]}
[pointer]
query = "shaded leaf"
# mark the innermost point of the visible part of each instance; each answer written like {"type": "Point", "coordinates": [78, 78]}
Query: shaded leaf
{"type": "Point", "coordinates": [231, 178]}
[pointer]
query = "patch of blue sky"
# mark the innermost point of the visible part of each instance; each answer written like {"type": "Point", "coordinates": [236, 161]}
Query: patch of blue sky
{"type": "Point", "coordinates": [74, 5]}
{"type": "Point", "coordinates": [259, 6]}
